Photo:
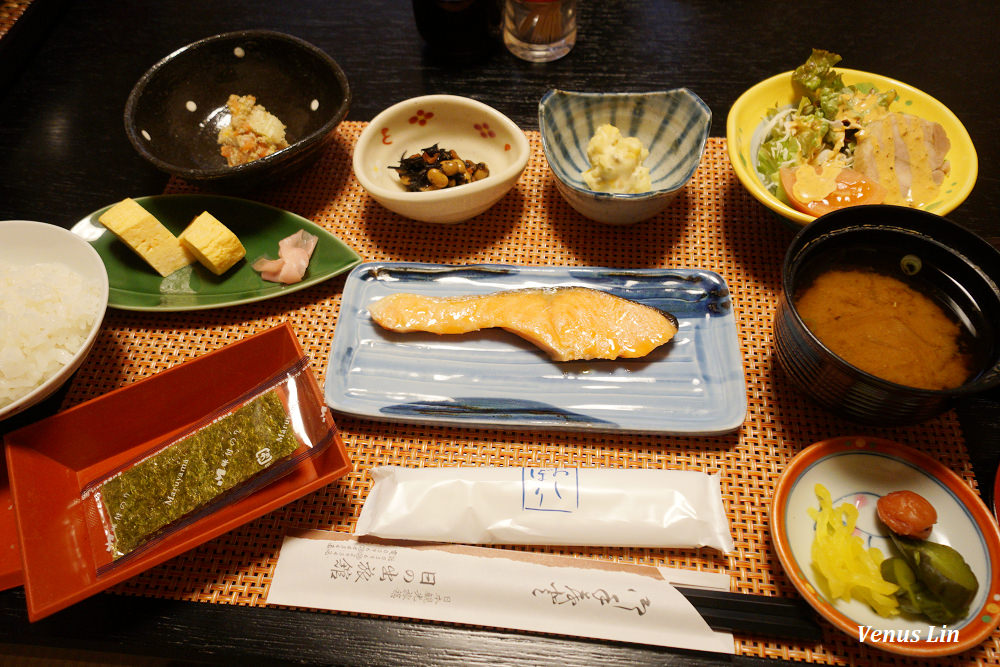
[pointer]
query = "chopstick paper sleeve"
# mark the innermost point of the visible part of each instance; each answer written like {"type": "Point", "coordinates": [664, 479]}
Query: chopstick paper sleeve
{"type": "Point", "coordinates": [494, 588]}
{"type": "Point", "coordinates": [553, 506]}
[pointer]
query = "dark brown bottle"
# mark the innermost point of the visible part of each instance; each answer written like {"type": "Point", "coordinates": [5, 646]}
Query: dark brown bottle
{"type": "Point", "coordinates": [461, 28]}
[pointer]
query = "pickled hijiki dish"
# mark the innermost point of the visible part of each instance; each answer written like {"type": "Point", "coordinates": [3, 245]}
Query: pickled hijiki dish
{"type": "Point", "coordinates": [435, 168]}
{"type": "Point", "coordinates": [843, 145]}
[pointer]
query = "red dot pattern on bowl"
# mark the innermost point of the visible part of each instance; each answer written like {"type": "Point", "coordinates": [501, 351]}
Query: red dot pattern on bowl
{"type": "Point", "coordinates": [421, 117]}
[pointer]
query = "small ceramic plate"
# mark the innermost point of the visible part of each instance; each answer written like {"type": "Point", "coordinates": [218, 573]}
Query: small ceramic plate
{"type": "Point", "coordinates": [859, 470]}
{"type": "Point", "coordinates": [49, 463]}
{"type": "Point", "coordinates": [693, 384]}
{"type": "Point", "coordinates": [136, 286]}
{"type": "Point", "coordinates": [746, 118]}
{"type": "Point", "coordinates": [475, 131]}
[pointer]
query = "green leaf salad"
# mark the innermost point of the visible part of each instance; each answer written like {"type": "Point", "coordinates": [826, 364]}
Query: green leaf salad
{"type": "Point", "coordinates": [821, 129]}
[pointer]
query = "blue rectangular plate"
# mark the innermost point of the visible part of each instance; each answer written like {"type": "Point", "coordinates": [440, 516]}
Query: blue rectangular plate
{"type": "Point", "coordinates": [692, 385]}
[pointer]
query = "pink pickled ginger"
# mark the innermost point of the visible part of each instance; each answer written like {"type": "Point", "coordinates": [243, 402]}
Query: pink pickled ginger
{"type": "Point", "coordinates": [294, 253]}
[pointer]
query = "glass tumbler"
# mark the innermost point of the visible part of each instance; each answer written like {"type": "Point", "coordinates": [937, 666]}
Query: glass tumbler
{"type": "Point", "coordinates": [539, 30]}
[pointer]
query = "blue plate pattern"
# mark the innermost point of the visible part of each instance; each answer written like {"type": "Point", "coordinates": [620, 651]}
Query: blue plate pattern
{"type": "Point", "coordinates": [692, 385]}
{"type": "Point", "coordinates": [672, 124]}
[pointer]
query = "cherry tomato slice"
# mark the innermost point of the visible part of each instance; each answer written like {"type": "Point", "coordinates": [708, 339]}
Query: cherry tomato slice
{"type": "Point", "coordinates": [852, 189]}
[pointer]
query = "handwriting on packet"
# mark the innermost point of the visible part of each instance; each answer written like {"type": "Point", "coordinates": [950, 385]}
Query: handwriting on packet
{"type": "Point", "coordinates": [358, 564]}
{"type": "Point", "coordinates": [550, 489]}
{"type": "Point", "coordinates": [569, 595]}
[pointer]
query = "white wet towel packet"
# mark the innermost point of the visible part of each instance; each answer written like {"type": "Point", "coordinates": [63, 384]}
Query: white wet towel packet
{"type": "Point", "coordinates": [552, 506]}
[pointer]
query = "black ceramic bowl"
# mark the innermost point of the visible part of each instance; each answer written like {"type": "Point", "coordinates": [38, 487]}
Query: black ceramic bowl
{"type": "Point", "coordinates": [174, 112]}
{"type": "Point", "coordinates": [956, 268]}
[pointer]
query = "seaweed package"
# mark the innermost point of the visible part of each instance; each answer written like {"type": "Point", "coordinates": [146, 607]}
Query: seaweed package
{"type": "Point", "coordinates": [242, 446]}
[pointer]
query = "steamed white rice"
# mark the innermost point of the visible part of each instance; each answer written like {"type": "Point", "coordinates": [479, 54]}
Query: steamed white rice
{"type": "Point", "coordinates": [46, 312]}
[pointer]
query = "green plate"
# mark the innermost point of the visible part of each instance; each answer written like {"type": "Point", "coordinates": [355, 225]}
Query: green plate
{"type": "Point", "coordinates": [136, 286]}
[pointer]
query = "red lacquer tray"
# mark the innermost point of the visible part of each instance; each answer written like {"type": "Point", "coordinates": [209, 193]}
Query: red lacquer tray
{"type": "Point", "coordinates": [10, 553]}
{"type": "Point", "coordinates": [50, 461]}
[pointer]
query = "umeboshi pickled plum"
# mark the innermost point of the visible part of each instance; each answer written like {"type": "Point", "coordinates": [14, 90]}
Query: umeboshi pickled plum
{"type": "Point", "coordinates": [907, 513]}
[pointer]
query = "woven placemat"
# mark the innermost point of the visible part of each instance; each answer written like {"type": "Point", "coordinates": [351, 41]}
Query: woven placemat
{"type": "Point", "coordinates": [10, 12]}
{"type": "Point", "coordinates": [714, 224]}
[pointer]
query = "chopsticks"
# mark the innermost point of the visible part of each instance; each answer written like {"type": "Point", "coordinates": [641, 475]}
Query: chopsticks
{"type": "Point", "coordinates": [744, 613]}
{"type": "Point", "coordinates": [543, 25]}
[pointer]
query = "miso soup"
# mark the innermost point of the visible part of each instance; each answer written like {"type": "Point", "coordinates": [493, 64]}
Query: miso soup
{"type": "Point", "coordinates": [882, 325]}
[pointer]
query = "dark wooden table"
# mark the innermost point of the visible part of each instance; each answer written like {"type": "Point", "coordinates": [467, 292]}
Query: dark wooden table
{"type": "Point", "coordinates": [67, 68]}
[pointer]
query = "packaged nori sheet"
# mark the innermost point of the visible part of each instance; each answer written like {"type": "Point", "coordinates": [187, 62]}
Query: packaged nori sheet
{"type": "Point", "coordinates": [195, 470]}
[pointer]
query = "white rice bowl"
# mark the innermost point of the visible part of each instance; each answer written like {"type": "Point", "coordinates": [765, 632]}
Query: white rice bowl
{"type": "Point", "coordinates": [53, 295]}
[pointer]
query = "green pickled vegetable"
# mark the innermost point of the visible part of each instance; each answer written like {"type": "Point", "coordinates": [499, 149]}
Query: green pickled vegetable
{"type": "Point", "coordinates": [144, 499]}
{"type": "Point", "coordinates": [914, 597]}
{"type": "Point", "coordinates": [941, 569]}
{"type": "Point", "coordinates": [934, 579]}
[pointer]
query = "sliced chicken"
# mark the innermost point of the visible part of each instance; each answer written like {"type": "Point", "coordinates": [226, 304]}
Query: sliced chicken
{"type": "Point", "coordinates": [906, 155]}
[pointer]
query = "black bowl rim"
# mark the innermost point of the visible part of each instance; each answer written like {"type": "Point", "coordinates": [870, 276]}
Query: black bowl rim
{"type": "Point", "coordinates": [250, 168]}
{"type": "Point", "coordinates": [987, 380]}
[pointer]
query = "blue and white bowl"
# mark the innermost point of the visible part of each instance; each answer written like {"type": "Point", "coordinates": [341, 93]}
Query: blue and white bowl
{"type": "Point", "coordinates": [673, 125]}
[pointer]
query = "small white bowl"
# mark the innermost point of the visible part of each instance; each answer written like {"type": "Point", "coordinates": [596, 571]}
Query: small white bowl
{"type": "Point", "coordinates": [23, 243]}
{"type": "Point", "coordinates": [673, 125]}
{"type": "Point", "coordinates": [476, 131]}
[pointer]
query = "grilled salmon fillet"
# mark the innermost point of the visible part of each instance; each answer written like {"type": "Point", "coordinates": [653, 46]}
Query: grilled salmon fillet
{"type": "Point", "coordinates": [569, 323]}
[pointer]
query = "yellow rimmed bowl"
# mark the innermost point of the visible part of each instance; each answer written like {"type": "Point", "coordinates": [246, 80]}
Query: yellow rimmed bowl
{"type": "Point", "coordinates": [746, 119]}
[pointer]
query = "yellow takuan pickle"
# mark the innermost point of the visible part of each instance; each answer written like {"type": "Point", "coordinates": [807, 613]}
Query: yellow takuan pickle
{"type": "Point", "coordinates": [847, 568]}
